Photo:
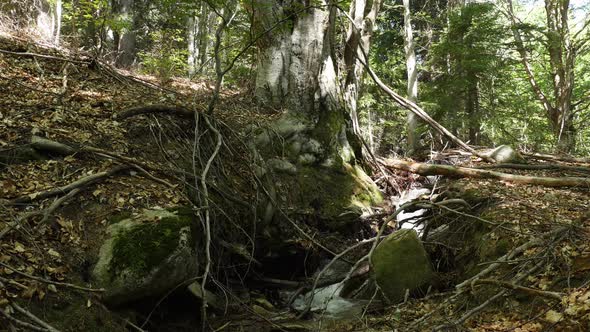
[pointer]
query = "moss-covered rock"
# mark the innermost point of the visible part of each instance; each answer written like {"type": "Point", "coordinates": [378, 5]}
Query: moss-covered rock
{"type": "Point", "coordinates": [399, 263]}
{"type": "Point", "coordinates": [337, 197]}
{"type": "Point", "coordinates": [146, 255]}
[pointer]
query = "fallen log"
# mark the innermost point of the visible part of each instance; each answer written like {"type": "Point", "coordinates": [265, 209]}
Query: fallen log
{"type": "Point", "coordinates": [465, 172]}
{"type": "Point", "coordinates": [549, 167]}
{"type": "Point", "coordinates": [567, 159]}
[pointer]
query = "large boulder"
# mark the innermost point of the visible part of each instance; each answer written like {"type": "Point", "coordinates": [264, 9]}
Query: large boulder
{"type": "Point", "coordinates": [400, 263]}
{"type": "Point", "coordinates": [146, 256]}
{"type": "Point", "coordinates": [505, 154]}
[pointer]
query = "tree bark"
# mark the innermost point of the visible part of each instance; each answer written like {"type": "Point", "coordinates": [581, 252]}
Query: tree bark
{"type": "Point", "coordinates": [412, 74]}
{"type": "Point", "coordinates": [561, 62]}
{"type": "Point", "coordinates": [125, 43]}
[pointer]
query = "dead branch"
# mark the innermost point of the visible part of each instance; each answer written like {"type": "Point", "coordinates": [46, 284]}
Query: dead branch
{"type": "Point", "coordinates": [152, 109]}
{"type": "Point", "coordinates": [69, 187]}
{"type": "Point", "coordinates": [57, 203]}
{"type": "Point", "coordinates": [34, 318]}
{"type": "Point", "coordinates": [57, 283]}
{"type": "Point", "coordinates": [550, 167]}
{"type": "Point", "coordinates": [536, 241]}
{"type": "Point", "coordinates": [43, 56]}
{"type": "Point", "coordinates": [461, 172]}
{"type": "Point", "coordinates": [521, 276]}
{"type": "Point", "coordinates": [568, 159]}
{"type": "Point", "coordinates": [21, 323]}
{"type": "Point", "coordinates": [532, 291]}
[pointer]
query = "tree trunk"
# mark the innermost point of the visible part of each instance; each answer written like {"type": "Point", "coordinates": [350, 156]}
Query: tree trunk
{"type": "Point", "coordinates": [298, 72]}
{"type": "Point", "coordinates": [192, 27]}
{"type": "Point", "coordinates": [126, 38]}
{"type": "Point", "coordinates": [561, 60]}
{"type": "Point", "coordinates": [412, 73]}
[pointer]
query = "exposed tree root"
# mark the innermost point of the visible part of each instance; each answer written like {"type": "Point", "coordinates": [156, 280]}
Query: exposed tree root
{"type": "Point", "coordinates": [451, 171]}
{"type": "Point", "coordinates": [152, 109]}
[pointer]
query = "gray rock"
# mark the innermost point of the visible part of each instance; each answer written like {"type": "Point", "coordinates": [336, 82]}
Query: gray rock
{"type": "Point", "coordinates": [145, 256]}
{"type": "Point", "coordinates": [505, 154]}
{"type": "Point", "coordinates": [306, 159]}
{"type": "Point", "coordinates": [281, 165]}
{"type": "Point", "coordinates": [312, 146]}
{"type": "Point", "coordinates": [400, 263]}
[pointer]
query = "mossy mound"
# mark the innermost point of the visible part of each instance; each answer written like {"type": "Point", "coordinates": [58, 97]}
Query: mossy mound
{"type": "Point", "coordinates": [400, 263]}
{"type": "Point", "coordinates": [337, 197]}
{"type": "Point", "coordinates": [146, 255]}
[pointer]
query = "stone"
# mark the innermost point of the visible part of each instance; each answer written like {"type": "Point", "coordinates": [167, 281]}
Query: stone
{"type": "Point", "coordinates": [281, 165]}
{"type": "Point", "coordinates": [505, 154]}
{"type": "Point", "coordinates": [400, 263]}
{"type": "Point", "coordinates": [312, 146]}
{"type": "Point", "coordinates": [146, 256]}
{"type": "Point", "coordinates": [306, 159]}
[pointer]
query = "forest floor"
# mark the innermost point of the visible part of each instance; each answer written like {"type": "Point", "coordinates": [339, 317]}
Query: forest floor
{"type": "Point", "coordinates": [44, 255]}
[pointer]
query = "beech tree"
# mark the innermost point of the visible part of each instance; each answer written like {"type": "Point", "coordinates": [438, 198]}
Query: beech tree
{"type": "Point", "coordinates": [562, 48]}
{"type": "Point", "coordinates": [304, 70]}
{"type": "Point", "coordinates": [412, 73]}
{"type": "Point", "coordinates": [299, 70]}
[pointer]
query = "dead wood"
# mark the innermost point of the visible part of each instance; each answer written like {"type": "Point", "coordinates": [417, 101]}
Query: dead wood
{"type": "Point", "coordinates": [462, 172]}
{"type": "Point", "coordinates": [414, 108]}
{"type": "Point", "coordinates": [550, 167]}
{"type": "Point", "coordinates": [567, 159]}
{"type": "Point", "coordinates": [57, 283]}
{"type": "Point", "coordinates": [43, 56]}
{"type": "Point", "coordinates": [80, 183]}
{"type": "Point", "coordinates": [152, 109]}
{"type": "Point", "coordinates": [532, 291]}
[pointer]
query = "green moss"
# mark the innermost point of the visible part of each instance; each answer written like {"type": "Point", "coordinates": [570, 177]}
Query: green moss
{"type": "Point", "coordinates": [118, 217]}
{"type": "Point", "coordinates": [330, 193]}
{"type": "Point", "coordinates": [144, 246]}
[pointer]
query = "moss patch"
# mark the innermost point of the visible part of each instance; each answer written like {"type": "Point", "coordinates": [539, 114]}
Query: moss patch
{"type": "Point", "coordinates": [336, 196]}
{"type": "Point", "coordinates": [143, 247]}
{"type": "Point", "coordinates": [118, 217]}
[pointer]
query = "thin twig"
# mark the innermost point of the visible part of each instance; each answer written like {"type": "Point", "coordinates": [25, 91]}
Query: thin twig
{"type": "Point", "coordinates": [34, 318]}
{"type": "Point", "coordinates": [57, 283]}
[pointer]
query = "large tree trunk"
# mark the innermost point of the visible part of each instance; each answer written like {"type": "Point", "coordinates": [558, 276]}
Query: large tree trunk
{"type": "Point", "coordinates": [562, 60]}
{"type": "Point", "coordinates": [298, 72]}
{"type": "Point", "coordinates": [412, 73]}
{"type": "Point", "coordinates": [125, 40]}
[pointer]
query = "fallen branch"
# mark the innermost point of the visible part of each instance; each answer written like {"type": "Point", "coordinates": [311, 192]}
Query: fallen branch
{"type": "Point", "coordinates": [57, 283]}
{"type": "Point", "coordinates": [151, 109]}
{"type": "Point", "coordinates": [69, 187]}
{"type": "Point", "coordinates": [462, 172]}
{"type": "Point", "coordinates": [42, 56]}
{"type": "Point", "coordinates": [21, 323]}
{"type": "Point", "coordinates": [57, 203]}
{"type": "Point", "coordinates": [414, 108]}
{"type": "Point", "coordinates": [536, 241]}
{"type": "Point", "coordinates": [550, 167]}
{"type": "Point", "coordinates": [34, 318]}
{"type": "Point", "coordinates": [552, 295]}
{"type": "Point", "coordinates": [568, 159]}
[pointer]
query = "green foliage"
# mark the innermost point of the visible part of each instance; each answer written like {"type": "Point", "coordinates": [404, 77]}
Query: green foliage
{"type": "Point", "coordinates": [166, 59]}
